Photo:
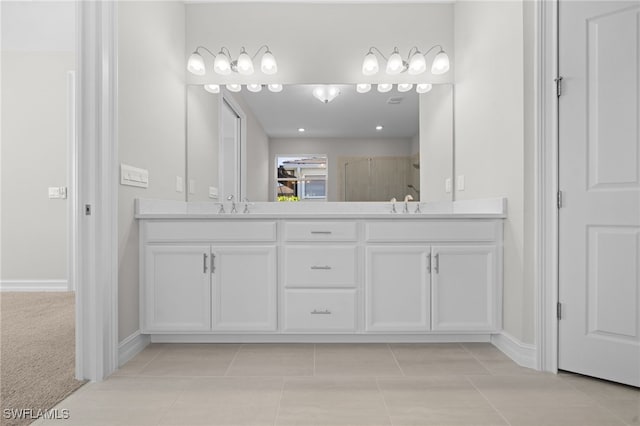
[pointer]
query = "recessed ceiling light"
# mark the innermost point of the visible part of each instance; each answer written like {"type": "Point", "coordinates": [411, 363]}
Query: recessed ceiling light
{"type": "Point", "coordinates": [301, 129]}
{"type": "Point", "coordinates": [379, 127]}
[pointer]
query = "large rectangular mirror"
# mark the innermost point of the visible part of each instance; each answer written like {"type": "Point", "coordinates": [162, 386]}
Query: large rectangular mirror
{"type": "Point", "coordinates": [293, 146]}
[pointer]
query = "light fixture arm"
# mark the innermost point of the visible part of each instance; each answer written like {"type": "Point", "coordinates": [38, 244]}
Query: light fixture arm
{"type": "Point", "coordinates": [204, 48]}
{"type": "Point", "coordinates": [372, 48]}
{"type": "Point", "coordinates": [432, 47]}
{"type": "Point", "coordinates": [264, 46]}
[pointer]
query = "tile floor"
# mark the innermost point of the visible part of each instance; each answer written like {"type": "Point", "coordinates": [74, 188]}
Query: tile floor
{"type": "Point", "coordinates": [343, 384]}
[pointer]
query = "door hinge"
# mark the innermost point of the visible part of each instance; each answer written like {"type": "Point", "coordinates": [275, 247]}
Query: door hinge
{"type": "Point", "coordinates": [559, 196]}
{"type": "Point", "coordinates": [559, 310]}
{"type": "Point", "coordinates": [558, 86]}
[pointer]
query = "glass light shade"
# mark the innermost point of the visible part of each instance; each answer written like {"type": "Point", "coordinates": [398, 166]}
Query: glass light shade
{"type": "Point", "coordinates": [221, 64]}
{"type": "Point", "coordinates": [370, 64]}
{"type": "Point", "coordinates": [384, 87]}
{"type": "Point", "coordinates": [404, 87]}
{"type": "Point", "coordinates": [363, 87]}
{"type": "Point", "coordinates": [234, 87]}
{"type": "Point", "coordinates": [417, 64]}
{"type": "Point", "coordinates": [212, 88]}
{"type": "Point", "coordinates": [245, 64]}
{"type": "Point", "coordinates": [268, 63]}
{"type": "Point", "coordinates": [195, 64]}
{"type": "Point", "coordinates": [394, 64]}
{"type": "Point", "coordinates": [423, 87]}
{"type": "Point", "coordinates": [275, 87]}
{"type": "Point", "coordinates": [253, 87]}
{"type": "Point", "coordinates": [440, 63]}
{"type": "Point", "coordinates": [326, 94]}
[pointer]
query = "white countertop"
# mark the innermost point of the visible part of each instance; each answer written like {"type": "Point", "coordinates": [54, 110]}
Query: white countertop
{"type": "Point", "coordinates": [492, 208]}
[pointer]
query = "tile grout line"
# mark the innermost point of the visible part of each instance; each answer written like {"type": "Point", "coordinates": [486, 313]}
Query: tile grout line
{"type": "Point", "coordinates": [275, 421]}
{"type": "Point", "coordinates": [226, 373]}
{"type": "Point", "coordinates": [482, 364]}
{"type": "Point", "coordinates": [396, 360]}
{"type": "Point", "coordinates": [384, 401]}
{"type": "Point", "coordinates": [488, 401]}
{"type": "Point", "coordinates": [314, 360]}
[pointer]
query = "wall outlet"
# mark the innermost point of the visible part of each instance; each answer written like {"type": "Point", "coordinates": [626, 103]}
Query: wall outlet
{"type": "Point", "coordinates": [133, 176]}
{"type": "Point", "coordinates": [56, 192]}
{"type": "Point", "coordinates": [460, 183]}
{"type": "Point", "coordinates": [179, 184]}
{"type": "Point", "coordinates": [447, 185]}
{"type": "Point", "coordinates": [192, 186]}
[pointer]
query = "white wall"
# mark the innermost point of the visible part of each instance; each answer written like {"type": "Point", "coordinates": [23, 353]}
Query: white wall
{"type": "Point", "coordinates": [490, 133]}
{"type": "Point", "coordinates": [151, 121]}
{"type": "Point", "coordinates": [334, 148]}
{"type": "Point", "coordinates": [37, 52]}
{"type": "Point", "coordinates": [318, 43]}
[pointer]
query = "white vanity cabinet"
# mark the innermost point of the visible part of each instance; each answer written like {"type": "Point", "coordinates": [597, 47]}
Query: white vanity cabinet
{"type": "Point", "coordinates": [204, 276]}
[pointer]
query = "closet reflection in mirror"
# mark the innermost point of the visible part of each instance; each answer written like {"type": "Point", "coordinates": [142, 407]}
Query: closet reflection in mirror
{"type": "Point", "coordinates": [376, 146]}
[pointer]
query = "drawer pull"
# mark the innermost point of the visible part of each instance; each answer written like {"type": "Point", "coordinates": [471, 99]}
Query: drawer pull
{"type": "Point", "coordinates": [317, 312]}
{"type": "Point", "coordinates": [437, 265]}
{"type": "Point", "coordinates": [204, 263]}
{"type": "Point", "coordinates": [326, 267]}
{"type": "Point", "coordinates": [322, 232]}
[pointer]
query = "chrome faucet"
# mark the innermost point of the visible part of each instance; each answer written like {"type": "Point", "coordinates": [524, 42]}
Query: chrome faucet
{"type": "Point", "coordinates": [246, 205]}
{"type": "Point", "coordinates": [233, 204]}
{"type": "Point", "coordinates": [221, 211]}
{"type": "Point", "coordinates": [393, 205]}
{"type": "Point", "coordinates": [407, 198]}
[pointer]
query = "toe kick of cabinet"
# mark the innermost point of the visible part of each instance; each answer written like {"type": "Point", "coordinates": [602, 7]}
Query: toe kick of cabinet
{"type": "Point", "coordinates": [320, 310]}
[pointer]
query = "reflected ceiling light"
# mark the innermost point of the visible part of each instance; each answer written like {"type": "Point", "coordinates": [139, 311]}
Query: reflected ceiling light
{"type": "Point", "coordinates": [234, 87]}
{"type": "Point", "coordinates": [379, 127]}
{"type": "Point", "coordinates": [363, 87]}
{"type": "Point", "coordinates": [275, 87]}
{"type": "Point", "coordinates": [404, 87]}
{"type": "Point", "coordinates": [301, 129]}
{"type": "Point", "coordinates": [224, 64]}
{"type": "Point", "coordinates": [415, 63]}
{"type": "Point", "coordinates": [212, 88]}
{"type": "Point", "coordinates": [253, 87]}
{"type": "Point", "coordinates": [423, 87]}
{"type": "Point", "coordinates": [384, 87]}
{"type": "Point", "coordinates": [325, 93]}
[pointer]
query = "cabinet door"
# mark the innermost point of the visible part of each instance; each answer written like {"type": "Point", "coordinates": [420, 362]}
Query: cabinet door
{"type": "Point", "coordinates": [177, 288]}
{"type": "Point", "coordinates": [244, 288]}
{"type": "Point", "coordinates": [463, 286]}
{"type": "Point", "coordinates": [397, 288]}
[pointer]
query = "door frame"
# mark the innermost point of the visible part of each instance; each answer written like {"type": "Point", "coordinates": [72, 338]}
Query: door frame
{"type": "Point", "coordinates": [546, 171]}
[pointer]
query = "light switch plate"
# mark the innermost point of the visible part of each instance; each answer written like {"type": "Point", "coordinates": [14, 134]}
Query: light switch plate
{"type": "Point", "coordinates": [213, 192]}
{"type": "Point", "coordinates": [179, 184]}
{"type": "Point", "coordinates": [192, 186]}
{"type": "Point", "coordinates": [133, 176]}
{"type": "Point", "coordinates": [460, 183]}
{"type": "Point", "coordinates": [447, 185]}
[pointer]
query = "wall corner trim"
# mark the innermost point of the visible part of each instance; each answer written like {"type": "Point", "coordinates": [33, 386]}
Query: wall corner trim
{"type": "Point", "coordinates": [132, 346]}
{"type": "Point", "coordinates": [34, 285]}
{"type": "Point", "coordinates": [523, 354]}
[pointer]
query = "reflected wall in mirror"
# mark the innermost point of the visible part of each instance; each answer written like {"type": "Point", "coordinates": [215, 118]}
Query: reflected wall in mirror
{"type": "Point", "coordinates": [377, 145]}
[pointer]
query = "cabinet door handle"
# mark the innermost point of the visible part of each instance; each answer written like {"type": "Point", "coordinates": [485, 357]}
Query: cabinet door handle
{"type": "Point", "coordinates": [429, 263]}
{"type": "Point", "coordinates": [321, 232]}
{"type": "Point", "coordinates": [436, 267]}
{"type": "Point", "coordinates": [317, 312]}
{"type": "Point", "coordinates": [213, 263]}
{"type": "Point", "coordinates": [204, 263]}
{"type": "Point", "coordinates": [326, 267]}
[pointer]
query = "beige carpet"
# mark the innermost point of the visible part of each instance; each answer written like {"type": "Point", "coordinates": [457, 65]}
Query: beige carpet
{"type": "Point", "coordinates": [37, 351]}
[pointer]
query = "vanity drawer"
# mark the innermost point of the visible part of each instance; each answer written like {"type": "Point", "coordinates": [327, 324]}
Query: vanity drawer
{"type": "Point", "coordinates": [325, 266]}
{"type": "Point", "coordinates": [320, 310]}
{"type": "Point", "coordinates": [320, 231]}
{"type": "Point", "coordinates": [432, 231]}
{"type": "Point", "coordinates": [209, 231]}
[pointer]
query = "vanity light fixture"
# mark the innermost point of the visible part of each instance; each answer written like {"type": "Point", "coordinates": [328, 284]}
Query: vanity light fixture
{"type": "Point", "coordinates": [415, 63]}
{"type": "Point", "coordinates": [363, 87]}
{"type": "Point", "coordinates": [423, 87]}
{"type": "Point", "coordinates": [212, 88]}
{"type": "Point", "coordinates": [234, 87]}
{"type": "Point", "coordinates": [379, 127]}
{"type": "Point", "coordinates": [253, 87]}
{"type": "Point", "coordinates": [325, 93]}
{"type": "Point", "coordinates": [224, 64]}
{"type": "Point", "coordinates": [275, 87]}
{"type": "Point", "coordinates": [384, 87]}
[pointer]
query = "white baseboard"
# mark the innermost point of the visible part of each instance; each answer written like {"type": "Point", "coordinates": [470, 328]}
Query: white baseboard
{"type": "Point", "coordinates": [523, 354]}
{"type": "Point", "coordinates": [34, 285]}
{"type": "Point", "coordinates": [132, 346]}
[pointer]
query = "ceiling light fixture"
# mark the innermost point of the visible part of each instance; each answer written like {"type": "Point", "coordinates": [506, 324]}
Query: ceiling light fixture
{"type": "Point", "coordinates": [325, 93]}
{"type": "Point", "coordinates": [384, 87]}
{"type": "Point", "coordinates": [415, 63]}
{"type": "Point", "coordinates": [234, 87]}
{"type": "Point", "coordinates": [275, 87]}
{"type": "Point", "coordinates": [423, 87]}
{"type": "Point", "coordinates": [212, 88]}
{"type": "Point", "coordinates": [363, 87]}
{"type": "Point", "coordinates": [253, 87]}
{"type": "Point", "coordinates": [404, 87]}
{"type": "Point", "coordinates": [224, 64]}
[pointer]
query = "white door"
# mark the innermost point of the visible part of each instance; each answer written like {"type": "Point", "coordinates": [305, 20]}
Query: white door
{"type": "Point", "coordinates": [230, 153]}
{"type": "Point", "coordinates": [397, 288]}
{"type": "Point", "coordinates": [599, 150]}
{"type": "Point", "coordinates": [177, 288]}
{"type": "Point", "coordinates": [244, 288]}
{"type": "Point", "coordinates": [463, 281]}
